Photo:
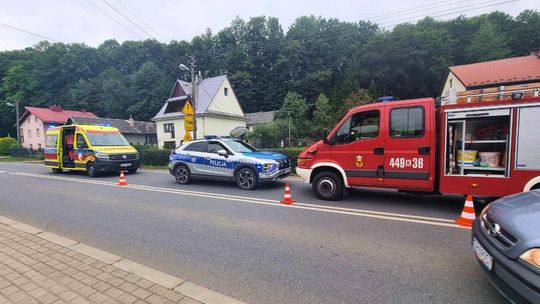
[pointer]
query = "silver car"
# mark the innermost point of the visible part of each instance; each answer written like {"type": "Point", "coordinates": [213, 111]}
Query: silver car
{"type": "Point", "coordinates": [227, 159]}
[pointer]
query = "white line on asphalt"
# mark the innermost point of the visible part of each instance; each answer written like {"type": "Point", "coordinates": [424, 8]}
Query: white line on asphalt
{"type": "Point", "coordinates": [267, 202]}
{"type": "Point", "coordinates": [3, 171]}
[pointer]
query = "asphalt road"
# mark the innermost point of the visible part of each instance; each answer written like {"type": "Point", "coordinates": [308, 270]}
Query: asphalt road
{"type": "Point", "coordinates": [375, 246]}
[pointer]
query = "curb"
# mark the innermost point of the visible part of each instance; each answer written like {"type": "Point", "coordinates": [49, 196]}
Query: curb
{"type": "Point", "coordinates": [189, 289]}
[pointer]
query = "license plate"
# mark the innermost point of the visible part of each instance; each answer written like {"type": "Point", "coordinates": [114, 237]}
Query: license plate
{"type": "Point", "coordinates": [482, 254]}
{"type": "Point", "coordinates": [125, 165]}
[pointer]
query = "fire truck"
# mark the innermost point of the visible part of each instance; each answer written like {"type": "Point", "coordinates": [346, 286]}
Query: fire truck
{"type": "Point", "coordinates": [482, 148]}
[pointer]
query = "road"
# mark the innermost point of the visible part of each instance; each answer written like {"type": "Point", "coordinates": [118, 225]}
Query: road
{"type": "Point", "coordinates": [375, 246]}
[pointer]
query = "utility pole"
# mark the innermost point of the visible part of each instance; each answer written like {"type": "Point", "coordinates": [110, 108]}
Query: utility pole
{"type": "Point", "coordinates": [18, 124]}
{"type": "Point", "coordinates": [16, 105]}
{"type": "Point", "coordinates": [194, 83]}
{"type": "Point", "coordinates": [289, 129]}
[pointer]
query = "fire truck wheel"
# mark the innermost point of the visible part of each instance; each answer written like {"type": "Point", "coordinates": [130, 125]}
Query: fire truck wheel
{"type": "Point", "coordinates": [182, 175]}
{"type": "Point", "coordinates": [328, 186]}
{"type": "Point", "coordinates": [91, 169]}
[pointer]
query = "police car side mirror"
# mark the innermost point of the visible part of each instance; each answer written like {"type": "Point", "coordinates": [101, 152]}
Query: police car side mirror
{"type": "Point", "coordinates": [223, 153]}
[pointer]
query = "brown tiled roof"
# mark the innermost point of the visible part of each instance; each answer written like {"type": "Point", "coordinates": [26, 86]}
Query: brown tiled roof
{"type": "Point", "coordinates": [503, 71]}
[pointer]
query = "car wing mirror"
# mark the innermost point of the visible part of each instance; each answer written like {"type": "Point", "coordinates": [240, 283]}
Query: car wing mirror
{"type": "Point", "coordinates": [223, 153]}
{"type": "Point", "coordinates": [325, 137]}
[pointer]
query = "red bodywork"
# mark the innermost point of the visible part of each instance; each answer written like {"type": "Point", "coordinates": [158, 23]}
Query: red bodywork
{"type": "Point", "coordinates": [413, 162]}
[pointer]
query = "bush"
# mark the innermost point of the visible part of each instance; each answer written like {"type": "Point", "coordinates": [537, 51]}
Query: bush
{"type": "Point", "coordinates": [153, 156]}
{"type": "Point", "coordinates": [7, 143]}
{"type": "Point", "coordinates": [292, 154]}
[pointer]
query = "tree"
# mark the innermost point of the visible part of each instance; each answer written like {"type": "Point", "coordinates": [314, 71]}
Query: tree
{"type": "Point", "coordinates": [293, 113]}
{"type": "Point", "coordinates": [323, 116]}
{"type": "Point", "coordinates": [487, 44]}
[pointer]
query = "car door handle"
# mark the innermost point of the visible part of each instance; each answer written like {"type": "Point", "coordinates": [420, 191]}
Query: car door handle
{"type": "Point", "coordinates": [378, 151]}
{"type": "Point", "coordinates": [424, 150]}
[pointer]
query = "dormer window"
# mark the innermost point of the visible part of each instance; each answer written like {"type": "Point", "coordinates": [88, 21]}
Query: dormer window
{"type": "Point", "coordinates": [226, 91]}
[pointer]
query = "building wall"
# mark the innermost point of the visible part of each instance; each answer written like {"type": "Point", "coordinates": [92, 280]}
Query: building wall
{"type": "Point", "coordinates": [226, 103]}
{"type": "Point", "coordinates": [207, 125]}
{"type": "Point", "coordinates": [136, 139]}
{"type": "Point", "coordinates": [452, 86]}
{"type": "Point", "coordinates": [32, 133]}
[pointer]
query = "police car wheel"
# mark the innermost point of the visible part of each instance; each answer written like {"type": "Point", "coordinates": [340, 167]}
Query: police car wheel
{"type": "Point", "coordinates": [182, 175]}
{"type": "Point", "coordinates": [328, 186]}
{"type": "Point", "coordinates": [246, 179]}
{"type": "Point", "coordinates": [91, 170]}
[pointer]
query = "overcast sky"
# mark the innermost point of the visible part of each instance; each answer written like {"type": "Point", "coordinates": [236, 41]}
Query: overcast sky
{"type": "Point", "coordinates": [80, 21]}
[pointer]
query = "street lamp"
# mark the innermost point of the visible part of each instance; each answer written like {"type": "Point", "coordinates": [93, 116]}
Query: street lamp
{"type": "Point", "coordinates": [16, 106]}
{"type": "Point", "coordinates": [183, 67]}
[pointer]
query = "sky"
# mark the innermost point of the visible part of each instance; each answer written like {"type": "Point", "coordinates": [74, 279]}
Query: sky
{"type": "Point", "coordinates": [93, 21]}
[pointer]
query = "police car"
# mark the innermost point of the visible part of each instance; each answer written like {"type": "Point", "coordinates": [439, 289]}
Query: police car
{"type": "Point", "coordinates": [227, 159]}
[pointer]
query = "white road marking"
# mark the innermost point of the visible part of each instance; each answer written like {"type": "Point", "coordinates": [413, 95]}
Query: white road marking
{"type": "Point", "coordinates": [3, 171]}
{"type": "Point", "coordinates": [260, 201]}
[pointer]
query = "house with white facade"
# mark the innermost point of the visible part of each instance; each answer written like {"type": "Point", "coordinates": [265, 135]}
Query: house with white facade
{"type": "Point", "coordinates": [217, 109]}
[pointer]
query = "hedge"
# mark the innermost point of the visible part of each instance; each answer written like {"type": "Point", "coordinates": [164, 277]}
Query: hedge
{"type": "Point", "coordinates": [153, 156]}
{"type": "Point", "coordinates": [7, 143]}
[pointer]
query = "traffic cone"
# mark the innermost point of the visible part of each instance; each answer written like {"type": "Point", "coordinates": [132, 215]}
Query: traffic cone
{"type": "Point", "coordinates": [467, 215]}
{"type": "Point", "coordinates": [287, 198]}
{"type": "Point", "coordinates": [122, 181]}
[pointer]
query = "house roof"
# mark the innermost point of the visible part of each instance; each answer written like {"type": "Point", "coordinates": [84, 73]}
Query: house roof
{"type": "Point", "coordinates": [54, 114]}
{"type": "Point", "coordinates": [503, 71]}
{"type": "Point", "coordinates": [124, 126]}
{"type": "Point", "coordinates": [260, 117]}
{"type": "Point", "coordinates": [208, 88]}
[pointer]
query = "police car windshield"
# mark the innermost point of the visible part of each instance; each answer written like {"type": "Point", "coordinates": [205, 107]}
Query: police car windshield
{"type": "Point", "coordinates": [107, 139]}
{"type": "Point", "coordinates": [240, 146]}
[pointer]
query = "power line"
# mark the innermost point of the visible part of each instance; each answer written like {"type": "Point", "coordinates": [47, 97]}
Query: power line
{"type": "Point", "coordinates": [28, 32]}
{"type": "Point", "coordinates": [407, 10]}
{"type": "Point", "coordinates": [410, 11]}
{"type": "Point", "coordinates": [141, 20]}
{"type": "Point", "coordinates": [128, 19]}
{"type": "Point", "coordinates": [113, 19]}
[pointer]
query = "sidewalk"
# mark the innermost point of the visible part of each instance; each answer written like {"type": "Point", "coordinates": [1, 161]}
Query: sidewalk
{"type": "Point", "coordinates": [42, 267]}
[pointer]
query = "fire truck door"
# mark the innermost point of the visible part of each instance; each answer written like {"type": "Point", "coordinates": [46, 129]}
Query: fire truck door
{"type": "Point", "coordinates": [358, 148]}
{"type": "Point", "coordinates": [410, 147]}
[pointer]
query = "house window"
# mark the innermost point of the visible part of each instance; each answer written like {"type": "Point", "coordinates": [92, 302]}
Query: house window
{"type": "Point", "coordinates": [29, 133]}
{"type": "Point", "coordinates": [450, 82]}
{"type": "Point", "coordinates": [31, 147]}
{"type": "Point", "coordinates": [39, 146]}
{"type": "Point", "coordinates": [226, 91]}
{"type": "Point", "coordinates": [169, 128]}
{"type": "Point", "coordinates": [37, 133]}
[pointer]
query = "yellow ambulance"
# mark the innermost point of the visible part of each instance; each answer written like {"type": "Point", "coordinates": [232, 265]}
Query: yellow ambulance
{"type": "Point", "coordinates": [91, 148]}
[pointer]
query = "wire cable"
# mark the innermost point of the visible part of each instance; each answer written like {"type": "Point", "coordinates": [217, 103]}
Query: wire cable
{"type": "Point", "coordinates": [113, 19]}
{"type": "Point", "coordinates": [128, 19]}
{"type": "Point", "coordinates": [28, 32]}
{"type": "Point", "coordinates": [141, 20]}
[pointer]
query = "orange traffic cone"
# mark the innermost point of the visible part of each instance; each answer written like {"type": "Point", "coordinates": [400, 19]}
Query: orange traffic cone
{"type": "Point", "coordinates": [122, 181]}
{"type": "Point", "coordinates": [287, 198]}
{"type": "Point", "coordinates": [467, 215]}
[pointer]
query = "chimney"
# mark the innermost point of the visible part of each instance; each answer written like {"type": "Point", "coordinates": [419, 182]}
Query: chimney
{"type": "Point", "coordinates": [131, 121]}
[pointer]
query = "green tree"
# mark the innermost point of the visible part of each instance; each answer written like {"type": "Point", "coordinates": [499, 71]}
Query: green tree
{"type": "Point", "coordinates": [323, 116]}
{"type": "Point", "coordinates": [293, 114]}
{"type": "Point", "coordinates": [487, 44]}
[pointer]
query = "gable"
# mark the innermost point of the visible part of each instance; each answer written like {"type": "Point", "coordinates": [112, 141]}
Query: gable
{"type": "Point", "coordinates": [222, 103]}
{"type": "Point", "coordinates": [178, 90]}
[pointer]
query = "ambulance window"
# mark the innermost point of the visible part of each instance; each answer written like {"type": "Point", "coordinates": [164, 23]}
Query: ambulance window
{"type": "Point", "coordinates": [407, 122]}
{"type": "Point", "coordinates": [51, 140]}
{"type": "Point", "coordinates": [81, 143]}
{"type": "Point", "coordinates": [362, 125]}
{"type": "Point", "coordinates": [201, 146]}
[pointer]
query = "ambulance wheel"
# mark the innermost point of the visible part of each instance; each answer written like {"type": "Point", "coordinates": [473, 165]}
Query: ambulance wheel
{"type": "Point", "coordinates": [91, 169]}
{"type": "Point", "coordinates": [328, 186]}
{"type": "Point", "coordinates": [182, 175]}
{"type": "Point", "coordinates": [131, 171]}
{"type": "Point", "coordinates": [56, 171]}
{"type": "Point", "coordinates": [246, 179]}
